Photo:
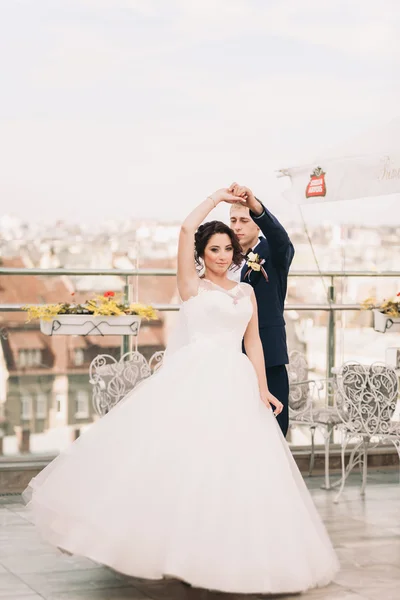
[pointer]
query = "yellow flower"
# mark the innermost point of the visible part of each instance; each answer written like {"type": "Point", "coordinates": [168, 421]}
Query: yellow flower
{"type": "Point", "coordinates": [391, 307]}
{"type": "Point", "coordinates": [106, 305]}
{"type": "Point", "coordinates": [45, 312]}
{"type": "Point", "coordinates": [102, 306]}
{"type": "Point", "coordinates": [255, 266]}
{"type": "Point", "coordinates": [145, 311]}
{"type": "Point", "coordinates": [253, 261]}
{"type": "Point", "coordinates": [368, 303]}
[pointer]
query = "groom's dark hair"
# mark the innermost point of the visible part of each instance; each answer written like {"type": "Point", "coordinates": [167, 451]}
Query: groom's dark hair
{"type": "Point", "coordinates": [206, 231]}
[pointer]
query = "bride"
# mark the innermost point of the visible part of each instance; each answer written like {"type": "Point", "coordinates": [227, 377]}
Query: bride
{"type": "Point", "coordinates": [189, 476]}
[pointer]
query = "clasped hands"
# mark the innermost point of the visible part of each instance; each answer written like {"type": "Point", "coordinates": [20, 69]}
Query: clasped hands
{"type": "Point", "coordinates": [236, 194]}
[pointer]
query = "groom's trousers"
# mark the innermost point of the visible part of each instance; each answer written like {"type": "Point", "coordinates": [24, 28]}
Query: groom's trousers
{"type": "Point", "coordinates": [278, 385]}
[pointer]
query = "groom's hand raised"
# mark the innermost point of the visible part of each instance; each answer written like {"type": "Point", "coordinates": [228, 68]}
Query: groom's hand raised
{"type": "Point", "coordinates": [248, 198]}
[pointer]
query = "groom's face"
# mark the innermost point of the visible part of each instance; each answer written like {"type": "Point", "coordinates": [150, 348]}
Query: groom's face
{"type": "Point", "coordinates": [244, 226]}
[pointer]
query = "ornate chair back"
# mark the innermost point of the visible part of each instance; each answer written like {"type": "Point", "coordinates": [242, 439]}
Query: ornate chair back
{"type": "Point", "coordinates": [113, 379]}
{"type": "Point", "coordinates": [367, 397]}
{"type": "Point", "coordinates": [299, 393]}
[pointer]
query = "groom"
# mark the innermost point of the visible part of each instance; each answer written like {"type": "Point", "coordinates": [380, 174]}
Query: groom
{"type": "Point", "coordinates": [269, 283]}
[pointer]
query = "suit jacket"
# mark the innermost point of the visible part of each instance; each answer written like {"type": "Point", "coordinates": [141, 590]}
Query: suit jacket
{"type": "Point", "coordinates": [278, 251]}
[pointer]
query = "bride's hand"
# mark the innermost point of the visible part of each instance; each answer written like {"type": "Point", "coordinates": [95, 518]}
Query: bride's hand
{"type": "Point", "coordinates": [269, 399]}
{"type": "Point", "coordinates": [224, 195]}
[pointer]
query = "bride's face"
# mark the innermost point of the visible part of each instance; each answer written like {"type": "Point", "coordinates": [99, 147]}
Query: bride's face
{"type": "Point", "coordinates": [218, 253]}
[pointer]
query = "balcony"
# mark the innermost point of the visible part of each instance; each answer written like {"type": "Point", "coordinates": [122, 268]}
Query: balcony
{"type": "Point", "coordinates": [45, 400]}
{"type": "Point", "coordinates": [45, 395]}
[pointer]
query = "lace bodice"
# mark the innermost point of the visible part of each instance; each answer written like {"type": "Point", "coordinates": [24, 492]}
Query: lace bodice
{"type": "Point", "coordinates": [213, 316]}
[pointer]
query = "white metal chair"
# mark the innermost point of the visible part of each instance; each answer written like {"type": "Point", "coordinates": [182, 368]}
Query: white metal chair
{"type": "Point", "coordinates": [300, 396]}
{"type": "Point", "coordinates": [113, 379]}
{"type": "Point", "coordinates": [365, 402]}
{"type": "Point", "coordinates": [310, 404]}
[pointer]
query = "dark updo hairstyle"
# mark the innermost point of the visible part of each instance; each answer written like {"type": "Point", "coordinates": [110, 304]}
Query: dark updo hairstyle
{"type": "Point", "coordinates": [206, 231]}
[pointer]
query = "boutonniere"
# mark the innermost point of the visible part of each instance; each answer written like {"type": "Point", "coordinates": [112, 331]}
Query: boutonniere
{"type": "Point", "coordinates": [255, 263]}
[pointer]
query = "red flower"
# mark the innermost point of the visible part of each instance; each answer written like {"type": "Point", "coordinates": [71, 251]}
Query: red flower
{"type": "Point", "coordinates": [398, 294]}
{"type": "Point", "coordinates": [109, 294]}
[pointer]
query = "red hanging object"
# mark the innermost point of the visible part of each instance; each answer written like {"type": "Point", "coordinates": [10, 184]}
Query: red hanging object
{"type": "Point", "coordinates": [317, 185]}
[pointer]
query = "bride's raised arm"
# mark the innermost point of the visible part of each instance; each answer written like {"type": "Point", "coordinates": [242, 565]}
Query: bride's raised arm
{"type": "Point", "coordinates": [188, 280]}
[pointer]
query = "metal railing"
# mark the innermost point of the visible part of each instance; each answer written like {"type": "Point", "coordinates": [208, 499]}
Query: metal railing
{"type": "Point", "coordinates": [330, 306]}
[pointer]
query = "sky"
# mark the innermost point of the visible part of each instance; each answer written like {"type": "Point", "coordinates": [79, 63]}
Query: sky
{"type": "Point", "coordinates": [116, 109]}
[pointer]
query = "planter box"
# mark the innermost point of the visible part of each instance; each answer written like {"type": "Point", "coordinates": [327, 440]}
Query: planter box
{"type": "Point", "coordinates": [89, 325]}
{"type": "Point", "coordinates": [383, 323]}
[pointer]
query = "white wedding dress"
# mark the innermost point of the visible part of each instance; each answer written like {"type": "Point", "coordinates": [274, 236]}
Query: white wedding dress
{"type": "Point", "coordinates": [189, 476]}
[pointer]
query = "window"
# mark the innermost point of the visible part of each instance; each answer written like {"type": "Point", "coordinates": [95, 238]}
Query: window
{"type": "Point", "coordinates": [22, 358]}
{"type": "Point", "coordinates": [26, 407]}
{"type": "Point", "coordinates": [29, 358]}
{"type": "Point", "coordinates": [36, 357]}
{"type": "Point", "coordinates": [41, 406]}
{"type": "Point", "coordinates": [82, 404]}
{"type": "Point", "coordinates": [59, 403]}
{"type": "Point", "coordinates": [79, 357]}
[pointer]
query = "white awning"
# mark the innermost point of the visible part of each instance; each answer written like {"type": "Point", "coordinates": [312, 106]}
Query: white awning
{"type": "Point", "coordinates": [368, 166]}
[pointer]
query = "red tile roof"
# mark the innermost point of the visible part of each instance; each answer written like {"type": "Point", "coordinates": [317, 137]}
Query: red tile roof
{"type": "Point", "coordinates": [26, 289]}
{"type": "Point", "coordinates": [30, 289]}
{"type": "Point", "coordinates": [27, 340]}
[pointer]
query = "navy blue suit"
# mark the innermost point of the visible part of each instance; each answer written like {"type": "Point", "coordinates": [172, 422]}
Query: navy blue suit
{"type": "Point", "coordinates": [277, 250]}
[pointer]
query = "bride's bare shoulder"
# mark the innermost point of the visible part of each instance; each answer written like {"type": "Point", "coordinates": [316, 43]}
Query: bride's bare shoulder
{"type": "Point", "coordinates": [197, 286]}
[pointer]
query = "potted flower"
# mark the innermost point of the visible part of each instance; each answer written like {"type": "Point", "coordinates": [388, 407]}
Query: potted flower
{"type": "Point", "coordinates": [102, 315]}
{"type": "Point", "coordinates": [386, 314]}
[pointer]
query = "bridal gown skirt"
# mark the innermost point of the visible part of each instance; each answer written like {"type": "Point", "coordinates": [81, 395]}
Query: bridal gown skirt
{"type": "Point", "coordinates": [189, 477]}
